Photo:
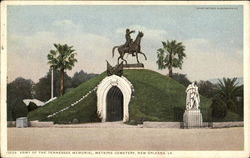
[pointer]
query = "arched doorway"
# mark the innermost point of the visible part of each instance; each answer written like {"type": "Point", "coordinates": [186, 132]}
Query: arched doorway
{"type": "Point", "coordinates": [114, 104]}
{"type": "Point", "coordinates": [113, 84]}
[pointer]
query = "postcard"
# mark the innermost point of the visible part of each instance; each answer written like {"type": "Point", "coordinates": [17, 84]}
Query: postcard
{"type": "Point", "coordinates": [125, 79]}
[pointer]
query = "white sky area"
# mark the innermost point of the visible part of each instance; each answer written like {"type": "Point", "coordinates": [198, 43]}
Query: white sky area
{"type": "Point", "coordinates": [213, 38]}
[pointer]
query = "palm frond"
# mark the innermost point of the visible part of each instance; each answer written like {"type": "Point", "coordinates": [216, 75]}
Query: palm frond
{"type": "Point", "coordinates": [63, 57]}
{"type": "Point", "coordinates": [171, 54]}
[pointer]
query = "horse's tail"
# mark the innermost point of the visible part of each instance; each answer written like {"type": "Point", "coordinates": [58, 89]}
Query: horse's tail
{"type": "Point", "coordinates": [113, 50]}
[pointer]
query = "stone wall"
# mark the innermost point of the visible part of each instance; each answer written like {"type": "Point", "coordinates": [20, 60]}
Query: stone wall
{"type": "Point", "coordinates": [145, 124]}
{"type": "Point", "coordinates": [40, 124]}
{"type": "Point", "coordinates": [180, 124]}
{"type": "Point", "coordinates": [161, 124]}
{"type": "Point", "coordinates": [227, 124]}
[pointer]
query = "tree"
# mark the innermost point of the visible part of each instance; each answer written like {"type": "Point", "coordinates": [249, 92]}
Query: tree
{"type": "Point", "coordinates": [19, 89]}
{"type": "Point", "coordinates": [219, 108]}
{"type": "Point", "coordinates": [170, 56]}
{"type": "Point", "coordinates": [240, 101]}
{"type": "Point", "coordinates": [181, 78]}
{"type": "Point", "coordinates": [63, 58]}
{"type": "Point", "coordinates": [207, 89]}
{"type": "Point", "coordinates": [228, 92]}
{"type": "Point", "coordinates": [20, 109]}
{"type": "Point", "coordinates": [80, 77]}
{"type": "Point", "coordinates": [43, 86]}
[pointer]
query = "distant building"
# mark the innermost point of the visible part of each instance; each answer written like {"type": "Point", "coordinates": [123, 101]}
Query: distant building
{"type": "Point", "coordinates": [36, 101]}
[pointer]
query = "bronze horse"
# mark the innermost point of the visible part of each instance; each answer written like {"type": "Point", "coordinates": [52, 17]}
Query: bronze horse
{"type": "Point", "coordinates": [134, 47]}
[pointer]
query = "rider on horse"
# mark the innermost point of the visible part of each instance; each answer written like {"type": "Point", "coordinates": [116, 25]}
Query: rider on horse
{"type": "Point", "coordinates": [130, 47]}
{"type": "Point", "coordinates": [129, 40]}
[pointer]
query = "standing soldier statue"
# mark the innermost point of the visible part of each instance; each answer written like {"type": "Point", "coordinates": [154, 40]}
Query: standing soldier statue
{"type": "Point", "coordinates": [193, 98]}
{"type": "Point", "coordinates": [192, 117]}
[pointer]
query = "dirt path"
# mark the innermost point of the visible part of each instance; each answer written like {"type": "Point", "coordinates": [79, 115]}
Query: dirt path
{"type": "Point", "coordinates": [124, 139]}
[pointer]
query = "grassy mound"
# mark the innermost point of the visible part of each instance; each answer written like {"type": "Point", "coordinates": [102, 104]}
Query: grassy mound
{"type": "Point", "coordinates": [84, 111]}
{"type": "Point", "coordinates": [156, 98]}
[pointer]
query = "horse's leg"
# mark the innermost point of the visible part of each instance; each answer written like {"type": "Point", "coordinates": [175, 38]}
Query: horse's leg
{"type": "Point", "coordinates": [143, 55]}
{"type": "Point", "coordinates": [124, 60]}
{"type": "Point", "coordinates": [121, 55]}
{"type": "Point", "coordinates": [118, 60]}
{"type": "Point", "coordinates": [136, 53]}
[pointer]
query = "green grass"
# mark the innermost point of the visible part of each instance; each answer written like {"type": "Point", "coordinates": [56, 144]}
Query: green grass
{"type": "Point", "coordinates": [84, 111]}
{"type": "Point", "coordinates": [156, 98]}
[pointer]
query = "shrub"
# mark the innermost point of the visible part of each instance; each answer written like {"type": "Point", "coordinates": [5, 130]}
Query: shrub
{"type": "Point", "coordinates": [94, 117]}
{"type": "Point", "coordinates": [178, 113]}
{"type": "Point", "coordinates": [240, 107]}
{"type": "Point", "coordinates": [219, 108]}
{"type": "Point", "coordinates": [181, 78]}
{"type": "Point", "coordinates": [207, 89]}
{"type": "Point", "coordinates": [132, 122]}
{"type": "Point", "coordinates": [20, 109]}
{"type": "Point", "coordinates": [231, 105]}
{"type": "Point", "coordinates": [75, 121]}
{"type": "Point", "coordinates": [32, 106]}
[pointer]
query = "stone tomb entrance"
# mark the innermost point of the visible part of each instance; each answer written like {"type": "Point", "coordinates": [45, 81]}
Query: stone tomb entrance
{"type": "Point", "coordinates": [113, 97]}
{"type": "Point", "coordinates": [114, 104]}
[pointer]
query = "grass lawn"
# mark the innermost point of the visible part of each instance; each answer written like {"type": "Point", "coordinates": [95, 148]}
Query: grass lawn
{"type": "Point", "coordinates": [156, 98]}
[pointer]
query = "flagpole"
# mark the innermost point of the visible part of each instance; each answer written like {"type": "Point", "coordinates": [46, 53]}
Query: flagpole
{"type": "Point", "coordinates": [51, 82]}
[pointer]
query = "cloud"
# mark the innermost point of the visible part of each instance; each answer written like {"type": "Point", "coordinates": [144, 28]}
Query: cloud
{"type": "Point", "coordinates": [27, 54]}
{"type": "Point", "coordinates": [150, 34]}
{"type": "Point", "coordinates": [66, 26]}
{"type": "Point", "coordinates": [203, 62]}
{"type": "Point", "coordinates": [64, 22]}
{"type": "Point", "coordinates": [205, 59]}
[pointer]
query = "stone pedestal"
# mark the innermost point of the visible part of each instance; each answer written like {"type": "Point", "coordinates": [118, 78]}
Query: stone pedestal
{"type": "Point", "coordinates": [21, 122]}
{"type": "Point", "coordinates": [192, 119]}
{"type": "Point", "coordinates": [133, 66]}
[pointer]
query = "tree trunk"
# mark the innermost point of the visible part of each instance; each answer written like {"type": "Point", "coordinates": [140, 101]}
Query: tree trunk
{"type": "Point", "coordinates": [62, 82]}
{"type": "Point", "coordinates": [170, 72]}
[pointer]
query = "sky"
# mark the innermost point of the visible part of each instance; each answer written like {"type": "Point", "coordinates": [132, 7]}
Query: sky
{"type": "Point", "coordinates": [212, 36]}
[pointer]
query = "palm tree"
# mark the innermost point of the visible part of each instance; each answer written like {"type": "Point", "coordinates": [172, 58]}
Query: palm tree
{"type": "Point", "coordinates": [63, 58]}
{"type": "Point", "coordinates": [228, 92]}
{"type": "Point", "coordinates": [170, 56]}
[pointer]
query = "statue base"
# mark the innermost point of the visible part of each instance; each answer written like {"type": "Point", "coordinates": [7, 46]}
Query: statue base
{"type": "Point", "coordinates": [192, 119]}
{"type": "Point", "coordinates": [133, 66]}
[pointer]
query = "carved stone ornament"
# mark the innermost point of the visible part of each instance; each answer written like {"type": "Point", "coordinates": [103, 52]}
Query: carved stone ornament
{"type": "Point", "coordinates": [116, 70]}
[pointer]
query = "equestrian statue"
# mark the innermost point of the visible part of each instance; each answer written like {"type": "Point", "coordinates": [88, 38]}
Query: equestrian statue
{"type": "Point", "coordinates": [130, 47]}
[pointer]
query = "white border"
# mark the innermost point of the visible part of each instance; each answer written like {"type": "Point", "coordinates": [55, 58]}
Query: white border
{"type": "Point", "coordinates": [244, 153]}
{"type": "Point", "coordinates": [246, 78]}
{"type": "Point", "coordinates": [3, 78]}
